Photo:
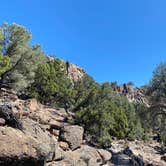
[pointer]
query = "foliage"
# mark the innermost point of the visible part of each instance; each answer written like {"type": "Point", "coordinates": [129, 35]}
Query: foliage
{"type": "Point", "coordinates": [157, 86]}
{"type": "Point", "coordinates": [114, 85]}
{"type": "Point", "coordinates": [24, 58]}
{"type": "Point", "coordinates": [106, 115]}
{"type": "Point", "coordinates": [51, 84]}
{"type": "Point", "coordinates": [1, 40]}
{"type": "Point", "coordinates": [4, 64]}
{"type": "Point", "coordinates": [157, 89]}
{"type": "Point", "coordinates": [83, 90]}
{"type": "Point", "coordinates": [135, 129]}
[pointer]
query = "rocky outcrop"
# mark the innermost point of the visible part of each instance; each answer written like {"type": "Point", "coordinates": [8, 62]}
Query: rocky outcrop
{"type": "Point", "coordinates": [135, 95]}
{"type": "Point", "coordinates": [74, 72]}
{"type": "Point", "coordinates": [42, 136]}
{"type": "Point", "coordinates": [73, 135]}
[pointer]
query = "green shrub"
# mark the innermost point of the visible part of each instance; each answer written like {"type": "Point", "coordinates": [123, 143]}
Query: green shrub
{"type": "Point", "coordinates": [5, 64]}
{"type": "Point", "coordinates": [106, 115]}
{"type": "Point", "coordinates": [51, 85]}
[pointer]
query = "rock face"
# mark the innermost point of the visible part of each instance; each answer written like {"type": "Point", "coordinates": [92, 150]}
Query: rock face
{"type": "Point", "coordinates": [9, 117]}
{"type": "Point", "coordinates": [17, 149]}
{"type": "Point", "coordinates": [32, 134]}
{"type": "Point", "coordinates": [135, 153]}
{"type": "Point", "coordinates": [73, 135]}
{"type": "Point", "coordinates": [43, 137]}
{"type": "Point", "coordinates": [136, 95]}
{"type": "Point", "coordinates": [105, 155]}
{"type": "Point", "coordinates": [74, 72]}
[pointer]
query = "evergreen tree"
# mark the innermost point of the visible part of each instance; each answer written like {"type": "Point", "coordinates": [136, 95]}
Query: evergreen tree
{"type": "Point", "coordinates": [51, 85]}
{"type": "Point", "coordinates": [157, 89]}
{"type": "Point", "coordinates": [157, 86]}
{"type": "Point", "coordinates": [24, 58]}
{"type": "Point", "coordinates": [4, 64]}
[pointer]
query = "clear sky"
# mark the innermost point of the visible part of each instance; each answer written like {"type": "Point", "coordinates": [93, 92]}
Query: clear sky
{"type": "Point", "coordinates": [120, 40]}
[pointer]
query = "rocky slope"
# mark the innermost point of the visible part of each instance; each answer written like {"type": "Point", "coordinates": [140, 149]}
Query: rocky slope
{"type": "Point", "coordinates": [32, 134]}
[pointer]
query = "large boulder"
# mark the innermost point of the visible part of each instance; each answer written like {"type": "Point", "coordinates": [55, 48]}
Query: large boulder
{"type": "Point", "coordinates": [16, 149]}
{"type": "Point", "coordinates": [105, 155]}
{"type": "Point", "coordinates": [43, 137]}
{"type": "Point", "coordinates": [73, 135]}
{"type": "Point", "coordinates": [8, 115]}
{"type": "Point", "coordinates": [89, 155]}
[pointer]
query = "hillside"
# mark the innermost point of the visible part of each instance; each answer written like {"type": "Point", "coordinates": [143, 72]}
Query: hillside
{"type": "Point", "coordinates": [32, 134]}
{"type": "Point", "coordinates": [53, 113]}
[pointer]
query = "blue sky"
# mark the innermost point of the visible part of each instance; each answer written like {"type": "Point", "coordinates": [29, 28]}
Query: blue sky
{"type": "Point", "coordinates": [120, 40]}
